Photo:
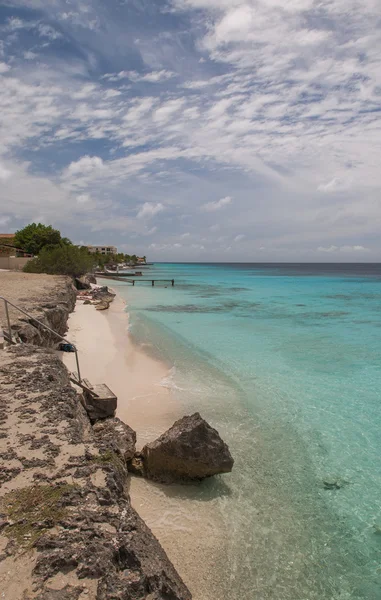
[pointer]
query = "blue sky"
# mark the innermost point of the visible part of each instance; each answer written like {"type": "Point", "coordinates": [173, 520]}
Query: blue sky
{"type": "Point", "coordinates": [195, 129]}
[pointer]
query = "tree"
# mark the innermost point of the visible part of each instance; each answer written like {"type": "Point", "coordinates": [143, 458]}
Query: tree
{"type": "Point", "coordinates": [62, 260]}
{"type": "Point", "coordinates": [36, 236]}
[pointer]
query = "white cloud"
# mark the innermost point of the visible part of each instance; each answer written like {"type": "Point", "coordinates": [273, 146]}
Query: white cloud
{"type": "Point", "coordinates": [239, 237]}
{"type": "Point", "coordinates": [335, 185]}
{"type": "Point", "coordinates": [150, 209]}
{"type": "Point", "coordinates": [152, 77]}
{"type": "Point", "coordinates": [357, 248]}
{"type": "Point", "coordinates": [293, 123]}
{"type": "Point", "coordinates": [327, 249]}
{"type": "Point", "coordinates": [48, 31]}
{"type": "Point", "coordinates": [86, 164]}
{"type": "Point", "coordinates": [29, 55]}
{"type": "Point", "coordinates": [83, 198]}
{"type": "Point", "coordinates": [353, 249]}
{"type": "Point", "coordinates": [165, 112]}
{"type": "Point", "coordinates": [217, 205]}
{"type": "Point", "coordinates": [4, 173]}
{"type": "Point", "coordinates": [14, 23]}
{"type": "Point", "coordinates": [4, 67]}
{"type": "Point", "coordinates": [4, 220]}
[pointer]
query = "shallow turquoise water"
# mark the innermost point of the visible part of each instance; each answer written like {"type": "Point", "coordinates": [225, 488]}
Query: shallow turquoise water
{"type": "Point", "coordinates": [285, 361]}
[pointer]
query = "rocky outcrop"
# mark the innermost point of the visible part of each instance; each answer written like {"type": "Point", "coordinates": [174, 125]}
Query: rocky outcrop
{"type": "Point", "coordinates": [63, 495]}
{"type": "Point", "coordinates": [190, 450]}
{"type": "Point", "coordinates": [101, 297]}
{"type": "Point", "coordinates": [84, 282]}
{"type": "Point", "coordinates": [104, 297]}
{"type": "Point", "coordinates": [114, 435]}
{"type": "Point", "coordinates": [68, 530]}
{"type": "Point", "coordinates": [53, 313]}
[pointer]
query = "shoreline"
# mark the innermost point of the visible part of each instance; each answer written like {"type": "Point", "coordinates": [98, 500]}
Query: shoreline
{"type": "Point", "coordinates": [185, 520]}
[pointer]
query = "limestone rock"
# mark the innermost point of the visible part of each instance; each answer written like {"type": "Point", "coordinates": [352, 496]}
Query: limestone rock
{"type": "Point", "coordinates": [54, 314]}
{"type": "Point", "coordinates": [112, 434]}
{"type": "Point", "coordinates": [102, 305]}
{"type": "Point", "coordinates": [103, 294]}
{"type": "Point", "coordinates": [136, 465]}
{"type": "Point", "coordinates": [190, 450]}
{"type": "Point", "coordinates": [88, 533]}
{"type": "Point", "coordinates": [84, 282]}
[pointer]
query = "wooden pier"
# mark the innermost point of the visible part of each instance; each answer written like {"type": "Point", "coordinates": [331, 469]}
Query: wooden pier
{"type": "Point", "coordinates": [138, 279]}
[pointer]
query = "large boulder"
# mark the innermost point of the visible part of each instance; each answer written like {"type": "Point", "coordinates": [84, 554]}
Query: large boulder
{"type": "Point", "coordinates": [102, 305]}
{"type": "Point", "coordinates": [112, 434]}
{"type": "Point", "coordinates": [84, 282]}
{"type": "Point", "coordinates": [190, 450]}
{"type": "Point", "coordinates": [103, 294]}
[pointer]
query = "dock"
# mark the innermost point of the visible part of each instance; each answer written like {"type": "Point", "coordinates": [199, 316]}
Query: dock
{"type": "Point", "coordinates": [133, 280]}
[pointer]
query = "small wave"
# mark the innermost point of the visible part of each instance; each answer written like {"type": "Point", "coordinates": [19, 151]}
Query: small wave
{"type": "Point", "coordinates": [169, 381]}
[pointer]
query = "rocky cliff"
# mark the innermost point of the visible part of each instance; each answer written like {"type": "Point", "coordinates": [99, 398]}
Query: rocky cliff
{"type": "Point", "coordinates": [68, 529]}
{"type": "Point", "coordinates": [48, 298]}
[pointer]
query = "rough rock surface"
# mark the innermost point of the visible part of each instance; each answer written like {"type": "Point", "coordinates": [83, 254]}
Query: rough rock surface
{"type": "Point", "coordinates": [48, 298]}
{"type": "Point", "coordinates": [63, 484]}
{"type": "Point", "coordinates": [103, 298]}
{"type": "Point", "coordinates": [84, 534]}
{"type": "Point", "coordinates": [103, 294]}
{"type": "Point", "coordinates": [84, 282]}
{"type": "Point", "coordinates": [103, 305]}
{"type": "Point", "coordinates": [112, 434]}
{"type": "Point", "coordinates": [190, 450]}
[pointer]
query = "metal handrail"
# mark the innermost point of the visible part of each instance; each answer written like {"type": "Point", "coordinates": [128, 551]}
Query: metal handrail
{"type": "Point", "coordinates": [6, 302]}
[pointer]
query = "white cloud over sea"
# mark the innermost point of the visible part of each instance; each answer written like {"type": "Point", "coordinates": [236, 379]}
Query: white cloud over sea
{"type": "Point", "coordinates": [226, 130]}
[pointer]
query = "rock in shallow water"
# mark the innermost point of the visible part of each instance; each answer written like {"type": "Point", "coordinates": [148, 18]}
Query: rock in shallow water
{"type": "Point", "coordinates": [190, 450]}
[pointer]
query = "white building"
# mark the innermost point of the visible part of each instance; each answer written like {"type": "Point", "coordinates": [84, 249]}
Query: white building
{"type": "Point", "coordinates": [103, 249]}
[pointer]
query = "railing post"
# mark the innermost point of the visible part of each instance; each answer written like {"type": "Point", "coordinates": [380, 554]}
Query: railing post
{"type": "Point", "coordinates": [8, 320]}
{"type": "Point", "coordinates": [39, 323]}
{"type": "Point", "coordinates": [77, 361]}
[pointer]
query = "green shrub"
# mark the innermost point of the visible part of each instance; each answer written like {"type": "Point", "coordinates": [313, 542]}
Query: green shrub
{"type": "Point", "coordinates": [62, 260]}
{"type": "Point", "coordinates": [36, 236]}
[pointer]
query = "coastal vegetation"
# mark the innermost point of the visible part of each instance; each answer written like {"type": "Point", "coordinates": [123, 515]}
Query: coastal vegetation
{"type": "Point", "coordinates": [62, 260]}
{"type": "Point", "coordinates": [36, 236]}
{"type": "Point", "coordinates": [57, 255]}
{"type": "Point", "coordinates": [34, 510]}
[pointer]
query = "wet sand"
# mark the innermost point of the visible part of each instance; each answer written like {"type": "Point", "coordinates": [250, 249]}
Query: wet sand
{"type": "Point", "coordinates": [185, 519]}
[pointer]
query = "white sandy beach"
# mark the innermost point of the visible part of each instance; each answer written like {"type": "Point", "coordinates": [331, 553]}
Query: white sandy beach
{"type": "Point", "coordinates": [185, 521]}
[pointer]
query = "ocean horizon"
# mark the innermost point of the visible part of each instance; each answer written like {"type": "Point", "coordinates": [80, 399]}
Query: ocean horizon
{"type": "Point", "coordinates": [284, 359]}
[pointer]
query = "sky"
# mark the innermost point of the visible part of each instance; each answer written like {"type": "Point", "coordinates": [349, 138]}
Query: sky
{"type": "Point", "coordinates": [195, 130]}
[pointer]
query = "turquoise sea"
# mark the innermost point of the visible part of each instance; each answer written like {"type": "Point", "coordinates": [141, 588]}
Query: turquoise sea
{"type": "Point", "coordinates": [285, 361]}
